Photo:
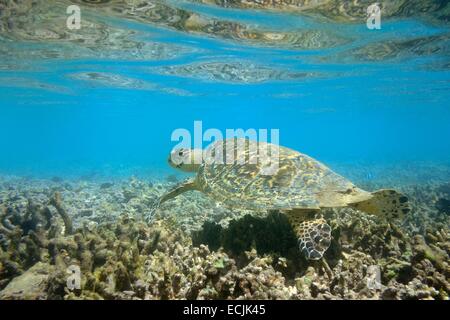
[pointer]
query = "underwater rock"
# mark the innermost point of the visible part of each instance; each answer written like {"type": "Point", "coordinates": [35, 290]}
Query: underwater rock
{"type": "Point", "coordinates": [172, 178]}
{"type": "Point", "coordinates": [31, 285]}
{"type": "Point", "coordinates": [106, 185]}
{"type": "Point", "coordinates": [272, 234]}
{"type": "Point", "coordinates": [57, 203]}
{"type": "Point", "coordinates": [445, 189]}
{"type": "Point", "coordinates": [129, 194]}
{"type": "Point", "coordinates": [210, 235]}
{"type": "Point", "coordinates": [443, 205]}
{"type": "Point", "coordinates": [421, 250]}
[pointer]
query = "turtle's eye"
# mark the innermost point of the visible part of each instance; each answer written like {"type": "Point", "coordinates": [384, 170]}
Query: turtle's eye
{"type": "Point", "coordinates": [180, 153]}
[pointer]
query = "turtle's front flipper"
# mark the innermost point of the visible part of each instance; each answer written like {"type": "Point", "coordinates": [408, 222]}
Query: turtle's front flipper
{"type": "Point", "coordinates": [314, 235]}
{"type": "Point", "coordinates": [187, 185]}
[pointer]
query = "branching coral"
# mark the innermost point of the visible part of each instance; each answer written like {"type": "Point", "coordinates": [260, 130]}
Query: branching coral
{"type": "Point", "coordinates": [252, 258]}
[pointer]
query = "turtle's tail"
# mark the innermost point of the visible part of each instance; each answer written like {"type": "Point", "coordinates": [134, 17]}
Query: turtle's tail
{"type": "Point", "coordinates": [386, 203]}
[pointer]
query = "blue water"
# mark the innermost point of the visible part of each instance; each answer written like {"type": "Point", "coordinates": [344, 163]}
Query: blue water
{"type": "Point", "coordinates": [345, 111]}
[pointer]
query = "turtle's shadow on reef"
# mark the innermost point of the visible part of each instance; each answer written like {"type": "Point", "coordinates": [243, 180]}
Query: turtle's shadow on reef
{"type": "Point", "coordinates": [269, 235]}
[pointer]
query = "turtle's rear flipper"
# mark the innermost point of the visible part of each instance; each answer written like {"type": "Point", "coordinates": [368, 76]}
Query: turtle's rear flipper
{"type": "Point", "coordinates": [386, 203]}
{"type": "Point", "coordinates": [314, 236]}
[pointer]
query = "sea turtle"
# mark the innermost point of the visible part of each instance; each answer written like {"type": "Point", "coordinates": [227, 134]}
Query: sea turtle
{"type": "Point", "coordinates": [299, 186]}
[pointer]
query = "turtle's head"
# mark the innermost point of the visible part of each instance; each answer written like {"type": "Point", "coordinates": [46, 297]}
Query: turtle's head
{"type": "Point", "coordinates": [188, 160]}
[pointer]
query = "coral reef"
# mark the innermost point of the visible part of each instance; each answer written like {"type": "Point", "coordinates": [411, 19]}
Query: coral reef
{"type": "Point", "coordinates": [49, 227]}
